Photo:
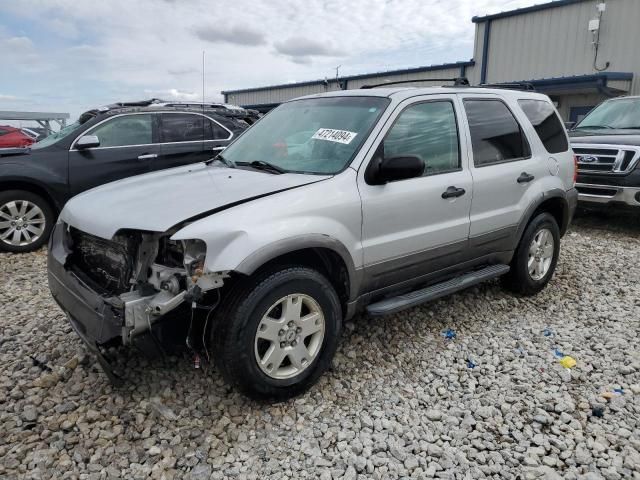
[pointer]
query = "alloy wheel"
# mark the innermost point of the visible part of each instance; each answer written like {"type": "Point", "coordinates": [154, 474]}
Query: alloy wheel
{"type": "Point", "coordinates": [289, 336]}
{"type": "Point", "coordinates": [21, 223]}
{"type": "Point", "coordinates": [541, 253]}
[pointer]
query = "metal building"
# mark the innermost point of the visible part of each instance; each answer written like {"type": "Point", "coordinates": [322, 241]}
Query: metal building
{"type": "Point", "coordinates": [579, 52]}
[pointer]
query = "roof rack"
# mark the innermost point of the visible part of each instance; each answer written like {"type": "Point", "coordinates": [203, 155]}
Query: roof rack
{"type": "Point", "coordinates": [510, 86]}
{"type": "Point", "coordinates": [457, 82]}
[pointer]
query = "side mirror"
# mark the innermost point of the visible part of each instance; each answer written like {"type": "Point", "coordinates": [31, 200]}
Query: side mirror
{"type": "Point", "coordinates": [390, 169]}
{"type": "Point", "coordinates": [569, 125]}
{"type": "Point", "coordinates": [87, 141]}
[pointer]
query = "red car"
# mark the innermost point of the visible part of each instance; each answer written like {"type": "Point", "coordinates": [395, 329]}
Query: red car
{"type": "Point", "coordinates": [11, 137]}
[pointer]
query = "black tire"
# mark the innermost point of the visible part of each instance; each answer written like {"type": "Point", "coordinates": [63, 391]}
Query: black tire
{"type": "Point", "coordinates": [49, 218]}
{"type": "Point", "coordinates": [237, 321]}
{"type": "Point", "coordinates": [519, 280]}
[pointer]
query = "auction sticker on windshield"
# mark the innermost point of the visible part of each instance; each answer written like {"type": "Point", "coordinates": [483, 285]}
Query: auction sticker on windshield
{"type": "Point", "coordinates": [331, 135]}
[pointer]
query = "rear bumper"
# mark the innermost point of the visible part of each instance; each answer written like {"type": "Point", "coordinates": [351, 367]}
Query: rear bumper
{"type": "Point", "coordinates": [608, 194]}
{"type": "Point", "coordinates": [93, 317]}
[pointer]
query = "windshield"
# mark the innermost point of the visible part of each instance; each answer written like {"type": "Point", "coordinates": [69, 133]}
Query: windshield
{"type": "Point", "coordinates": [616, 114]}
{"type": "Point", "coordinates": [319, 135]}
{"type": "Point", "coordinates": [56, 137]}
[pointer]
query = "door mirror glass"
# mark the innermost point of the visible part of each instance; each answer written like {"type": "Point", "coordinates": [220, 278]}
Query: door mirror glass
{"type": "Point", "coordinates": [391, 169]}
{"type": "Point", "coordinates": [88, 141]}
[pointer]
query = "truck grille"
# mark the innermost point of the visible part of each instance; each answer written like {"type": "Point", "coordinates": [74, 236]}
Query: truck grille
{"type": "Point", "coordinates": [606, 158]}
{"type": "Point", "coordinates": [105, 265]}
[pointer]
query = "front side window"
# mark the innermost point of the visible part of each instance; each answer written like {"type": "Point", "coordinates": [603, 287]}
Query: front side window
{"type": "Point", "coordinates": [428, 131]}
{"type": "Point", "coordinates": [496, 136]}
{"type": "Point", "coordinates": [317, 135]}
{"type": "Point", "coordinates": [182, 127]}
{"type": "Point", "coordinates": [3, 131]}
{"type": "Point", "coordinates": [124, 131]}
{"type": "Point", "coordinates": [546, 123]}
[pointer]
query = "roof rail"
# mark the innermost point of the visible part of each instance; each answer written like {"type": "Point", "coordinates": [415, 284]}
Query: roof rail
{"type": "Point", "coordinates": [457, 82]}
{"type": "Point", "coordinates": [510, 86]}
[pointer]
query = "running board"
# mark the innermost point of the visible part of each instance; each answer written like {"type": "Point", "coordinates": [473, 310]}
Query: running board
{"type": "Point", "coordinates": [411, 299]}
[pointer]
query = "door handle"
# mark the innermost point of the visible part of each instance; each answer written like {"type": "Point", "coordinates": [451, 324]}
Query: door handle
{"type": "Point", "coordinates": [525, 178]}
{"type": "Point", "coordinates": [453, 192]}
{"type": "Point", "coordinates": [218, 149]}
{"type": "Point", "coordinates": [147, 156]}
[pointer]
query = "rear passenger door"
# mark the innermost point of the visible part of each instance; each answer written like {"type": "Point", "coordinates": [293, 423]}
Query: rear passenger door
{"type": "Point", "coordinates": [188, 138]}
{"type": "Point", "coordinates": [504, 172]}
{"type": "Point", "coordinates": [409, 228]}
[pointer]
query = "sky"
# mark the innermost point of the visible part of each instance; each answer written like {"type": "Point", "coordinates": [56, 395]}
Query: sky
{"type": "Point", "coordinates": [72, 55]}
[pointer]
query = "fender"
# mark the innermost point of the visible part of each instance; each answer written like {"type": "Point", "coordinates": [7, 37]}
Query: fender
{"type": "Point", "coordinates": [533, 206]}
{"type": "Point", "coordinates": [45, 179]}
{"type": "Point", "coordinates": [288, 245]}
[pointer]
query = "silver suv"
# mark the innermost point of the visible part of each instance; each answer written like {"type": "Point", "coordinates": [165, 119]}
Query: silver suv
{"type": "Point", "coordinates": [375, 200]}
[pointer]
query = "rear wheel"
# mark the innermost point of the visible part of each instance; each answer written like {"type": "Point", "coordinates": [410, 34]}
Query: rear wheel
{"type": "Point", "coordinates": [26, 220]}
{"type": "Point", "coordinates": [277, 333]}
{"type": "Point", "coordinates": [536, 257]}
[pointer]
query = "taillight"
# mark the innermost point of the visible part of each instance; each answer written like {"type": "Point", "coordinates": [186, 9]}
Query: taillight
{"type": "Point", "coordinates": [575, 169]}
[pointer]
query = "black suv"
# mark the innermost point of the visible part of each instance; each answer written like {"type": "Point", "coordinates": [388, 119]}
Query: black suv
{"type": "Point", "coordinates": [607, 147]}
{"type": "Point", "coordinates": [104, 145]}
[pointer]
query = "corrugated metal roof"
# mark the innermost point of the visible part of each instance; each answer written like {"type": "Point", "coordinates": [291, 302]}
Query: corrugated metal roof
{"type": "Point", "coordinates": [521, 11]}
{"type": "Point", "coordinates": [427, 68]}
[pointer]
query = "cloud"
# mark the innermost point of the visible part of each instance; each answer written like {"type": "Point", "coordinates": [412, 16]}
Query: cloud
{"type": "Point", "coordinates": [306, 47]}
{"type": "Point", "coordinates": [183, 71]}
{"type": "Point", "coordinates": [70, 56]}
{"type": "Point", "coordinates": [7, 97]}
{"type": "Point", "coordinates": [19, 44]}
{"type": "Point", "coordinates": [174, 94]}
{"type": "Point", "coordinates": [237, 35]}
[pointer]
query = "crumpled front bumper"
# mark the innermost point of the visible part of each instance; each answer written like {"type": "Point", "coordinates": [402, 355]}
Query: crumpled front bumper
{"type": "Point", "coordinates": [93, 317]}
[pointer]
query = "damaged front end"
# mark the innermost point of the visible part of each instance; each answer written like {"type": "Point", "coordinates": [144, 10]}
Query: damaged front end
{"type": "Point", "coordinates": [113, 291]}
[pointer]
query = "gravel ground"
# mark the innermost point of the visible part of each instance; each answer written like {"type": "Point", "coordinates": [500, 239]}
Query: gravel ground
{"type": "Point", "coordinates": [400, 401]}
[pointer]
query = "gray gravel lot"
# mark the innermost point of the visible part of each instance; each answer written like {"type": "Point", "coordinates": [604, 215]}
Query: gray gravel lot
{"type": "Point", "coordinates": [400, 401]}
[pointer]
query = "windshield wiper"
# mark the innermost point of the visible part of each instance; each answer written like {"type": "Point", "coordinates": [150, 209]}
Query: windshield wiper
{"type": "Point", "coordinates": [220, 158]}
{"type": "Point", "coordinates": [266, 166]}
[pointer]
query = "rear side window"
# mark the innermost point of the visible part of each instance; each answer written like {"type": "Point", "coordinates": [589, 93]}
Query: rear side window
{"type": "Point", "coordinates": [214, 131]}
{"type": "Point", "coordinates": [429, 131]}
{"type": "Point", "coordinates": [124, 131]}
{"type": "Point", "coordinates": [496, 136]}
{"type": "Point", "coordinates": [543, 117]}
{"type": "Point", "coordinates": [182, 127]}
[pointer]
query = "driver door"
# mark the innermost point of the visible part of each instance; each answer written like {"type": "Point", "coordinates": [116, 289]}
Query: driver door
{"type": "Point", "coordinates": [127, 146]}
{"type": "Point", "coordinates": [408, 228]}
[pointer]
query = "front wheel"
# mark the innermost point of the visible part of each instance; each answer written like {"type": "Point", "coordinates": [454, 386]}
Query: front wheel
{"type": "Point", "coordinates": [26, 220]}
{"type": "Point", "coordinates": [536, 257]}
{"type": "Point", "coordinates": [276, 334]}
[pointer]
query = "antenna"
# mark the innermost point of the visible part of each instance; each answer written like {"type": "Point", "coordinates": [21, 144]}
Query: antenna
{"type": "Point", "coordinates": [203, 130]}
{"type": "Point", "coordinates": [203, 54]}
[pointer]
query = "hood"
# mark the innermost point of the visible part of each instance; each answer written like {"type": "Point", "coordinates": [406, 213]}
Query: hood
{"type": "Point", "coordinates": [160, 200]}
{"type": "Point", "coordinates": [612, 137]}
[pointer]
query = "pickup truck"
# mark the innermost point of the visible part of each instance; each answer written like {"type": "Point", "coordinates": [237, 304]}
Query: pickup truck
{"type": "Point", "coordinates": [607, 146]}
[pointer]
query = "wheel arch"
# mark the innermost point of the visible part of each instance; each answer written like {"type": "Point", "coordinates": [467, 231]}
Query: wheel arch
{"type": "Point", "coordinates": [553, 202]}
{"type": "Point", "coordinates": [320, 252]}
{"type": "Point", "coordinates": [33, 187]}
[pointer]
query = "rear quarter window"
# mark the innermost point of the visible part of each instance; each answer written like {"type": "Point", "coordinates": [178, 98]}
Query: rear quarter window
{"type": "Point", "coordinates": [546, 123]}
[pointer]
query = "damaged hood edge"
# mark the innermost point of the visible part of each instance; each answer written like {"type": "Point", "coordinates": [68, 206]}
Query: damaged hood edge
{"type": "Point", "coordinates": [168, 199]}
